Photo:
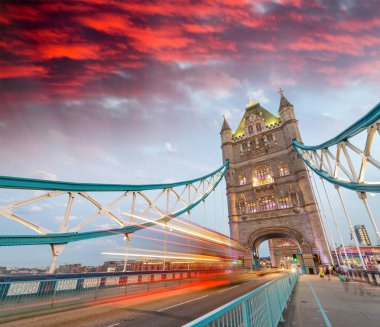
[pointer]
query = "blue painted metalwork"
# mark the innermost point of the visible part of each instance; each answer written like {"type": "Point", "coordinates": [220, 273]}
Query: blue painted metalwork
{"type": "Point", "coordinates": [63, 238]}
{"type": "Point", "coordinates": [47, 185]}
{"type": "Point", "coordinates": [261, 307]}
{"type": "Point", "coordinates": [358, 187]}
{"type": "Point", "coordinates": [367, 120]}
{"type": "Point", "coordinates": [19, 293]}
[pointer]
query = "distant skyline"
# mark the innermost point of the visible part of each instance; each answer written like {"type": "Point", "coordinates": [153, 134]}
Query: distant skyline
{"type": "Point", "coordinates": [134, 92]}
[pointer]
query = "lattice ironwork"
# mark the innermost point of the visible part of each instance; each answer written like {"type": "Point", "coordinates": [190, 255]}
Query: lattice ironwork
{"type": "Point", "coordinates": [346, 168]}
{"type": "Point", "coordinates": [158, 203]}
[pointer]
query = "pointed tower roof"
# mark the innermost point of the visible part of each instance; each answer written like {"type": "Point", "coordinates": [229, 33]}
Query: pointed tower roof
{"type": "Point", "coordinates": [284, 102]}
{"type": "Point", "coordinates": [225, 126]}
{"type": "Point", "coordinates": [254, 107]}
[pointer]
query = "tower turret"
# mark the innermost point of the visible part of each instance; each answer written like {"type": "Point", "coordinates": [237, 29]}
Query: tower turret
{"type": "Point", "coordinates": [286, 109]}
{"type": "Point", "coordinates": [288, 119]}
{"type": "Point", "coordinates": [226, 135]}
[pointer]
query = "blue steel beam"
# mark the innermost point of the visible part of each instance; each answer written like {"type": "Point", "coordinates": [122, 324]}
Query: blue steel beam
{"type": "Point", "coordinates": [357, 187]}
{"type": "Point", "coordinates": [367, 120]}
{"type": "Point", "coordinates": [47, 185]}
{"type": "Point", "coordinates": [360, 125]}
{"type": "Point", "coordinates": [63, 238]}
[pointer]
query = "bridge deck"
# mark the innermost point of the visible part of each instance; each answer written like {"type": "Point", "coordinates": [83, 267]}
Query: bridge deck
{"type": "Point", "coordinates": [320, 302]}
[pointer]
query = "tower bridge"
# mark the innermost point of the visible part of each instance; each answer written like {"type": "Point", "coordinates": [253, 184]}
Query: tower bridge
{"type": "Point", "coordinates": [268, 188]}
{"type": "Point", "coordinates": [270, 195]}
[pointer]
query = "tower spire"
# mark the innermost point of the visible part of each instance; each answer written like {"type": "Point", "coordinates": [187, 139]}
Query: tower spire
{"type": "Point", "coordinates": [284, 102]}
{"type": "Point", "coordinates": [225, 125]}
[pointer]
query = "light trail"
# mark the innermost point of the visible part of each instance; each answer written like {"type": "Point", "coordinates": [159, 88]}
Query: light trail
{"type": "Point", "coordinates": [159, 256]}
{"type": "Point", "coordinates": [167, 241]}
{"type": "Point", "coordinates": [192, 238]}
{"type": "Point", "coordinates": [178, 229]}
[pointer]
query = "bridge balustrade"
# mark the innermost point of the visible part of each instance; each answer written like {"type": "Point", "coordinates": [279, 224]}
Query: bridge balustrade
{"type": "Point", "coordinates": [261, 307]}
{"type": "Point", "coordinates": [370, 276]}
{"type": "Point", "coordinates": [22, 294]}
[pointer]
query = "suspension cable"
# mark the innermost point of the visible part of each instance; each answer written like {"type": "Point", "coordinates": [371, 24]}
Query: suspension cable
{"type": "Point", "coordinates": [335, 221]}
{"type": "Point", "coordinates": [223, 217]}
{"type": "Point", "coordinates": [188, 241]}
{"type": "Point", "coordinates": [166, 229]}
{"type": "Point", "coordinates": [214, 209]}
{"type": "Point", "coordinates": [204, 207]}
{"type": "Point", "coordinates": [126, 237]}
{"type": "Point", "coordinates": [351, 228]}
{"type": "Point", "coordinates": [363, 197]}
{"type": "Point", "coordinates": [320, 218]}
{"type": "Point", "coordinates": [327, 223]}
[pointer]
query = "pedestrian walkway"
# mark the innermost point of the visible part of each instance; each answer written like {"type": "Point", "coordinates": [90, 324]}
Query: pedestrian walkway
{"type": "Point", "coordinates": [323, 302]}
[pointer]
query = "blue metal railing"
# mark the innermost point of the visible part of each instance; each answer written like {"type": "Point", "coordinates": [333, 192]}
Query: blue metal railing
{"type": "Point", "coordinates": [21, 294]}
{"type": "Point", "coordinates": [262, 307]}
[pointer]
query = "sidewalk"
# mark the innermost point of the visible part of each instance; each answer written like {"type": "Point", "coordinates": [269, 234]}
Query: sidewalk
{"type": "Point", "coordinates": [320, 302]}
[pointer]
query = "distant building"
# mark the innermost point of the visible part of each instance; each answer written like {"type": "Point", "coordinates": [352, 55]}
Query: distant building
{"type": "Point", "coordinates": [362, 235]}
{"type": "Point", "coordinates": [69, 268]}
{"type": "Point", "coordinates": [371, 255]}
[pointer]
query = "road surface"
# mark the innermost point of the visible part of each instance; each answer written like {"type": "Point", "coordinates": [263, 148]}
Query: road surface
{"type": "Point", "coordinates": [169, 308]}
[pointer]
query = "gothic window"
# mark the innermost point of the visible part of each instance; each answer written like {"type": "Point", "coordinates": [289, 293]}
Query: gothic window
{"type": "Point", "coordinates": [241, 203]}
{"type": "Point", "coordinates": [250, 129]}
{"type": "Point", "coordinates": [259, 127]}
{"type": "Point", "coordinates": [242, 180]}
{"type": "Point", "coordinates": [284, 169]}
{"type": "Point", "coordinates": [261, 141]}
{"type": "Point", "coordinates": [251, 207]}
{"type": "Point", "coordinates": [284, 202]}
{"type": "Point", "coordinates": [270, 138]}
{"type": "Point", "coordinates": [262, 175]}
{"type": "Point", "coordinates": [244, 146]}
{"type": "Point", "coordinates": [242, 208]}
{"type": "Point", "coordinates": [267, 203]}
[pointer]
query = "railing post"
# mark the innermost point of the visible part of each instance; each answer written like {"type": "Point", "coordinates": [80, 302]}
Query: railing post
{"type": "Point", "coordinates": [279, 303]}
{"type": "Point", "coordinates": [96, 291]}
{"type": "Point", "coordinates": [268, 306]}
{"type": "Point", "coordinates": [374, 278]}
{"type": "Point", "coordinates": [246, 315]}
{"type": "Point", "coordinates": [53, 299]}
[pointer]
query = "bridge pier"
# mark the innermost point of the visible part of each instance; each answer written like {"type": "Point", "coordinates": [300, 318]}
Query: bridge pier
{"type": "Point", "coordinates": [56, 250]}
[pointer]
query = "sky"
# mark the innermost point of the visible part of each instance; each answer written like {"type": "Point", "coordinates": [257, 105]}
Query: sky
{"type": "Point", "coordinates": [134, 92]}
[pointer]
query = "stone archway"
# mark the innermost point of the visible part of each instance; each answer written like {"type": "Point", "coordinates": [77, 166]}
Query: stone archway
{"type": "Point", "coordinates": [267, 233]}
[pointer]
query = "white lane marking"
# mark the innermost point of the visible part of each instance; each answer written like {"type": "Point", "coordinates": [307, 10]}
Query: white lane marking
{"type": "Point", "coordinates": [117, 324]}
{"type": "Point", "coordinates": [228, 289]}
{"type": "Point", "coordinates": [255, 280]}
{"type": "Point", "coordinates": [176, 305]}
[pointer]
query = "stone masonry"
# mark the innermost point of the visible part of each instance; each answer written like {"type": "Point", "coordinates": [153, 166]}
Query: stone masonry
{"type": "Point", "coordinates": [268, 189]}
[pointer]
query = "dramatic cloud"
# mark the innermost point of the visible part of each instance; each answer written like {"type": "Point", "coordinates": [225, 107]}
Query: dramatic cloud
{"type": "Point", "coordinates": [100, 42]}
{"type": "Point", "coordinates": [95, 90]}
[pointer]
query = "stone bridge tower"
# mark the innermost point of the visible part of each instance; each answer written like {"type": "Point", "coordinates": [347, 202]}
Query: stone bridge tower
{"type": "Point", "coordinates": [268, 189]}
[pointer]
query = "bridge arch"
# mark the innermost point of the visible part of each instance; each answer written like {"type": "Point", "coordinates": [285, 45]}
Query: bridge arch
{"type": "Point", "coordinates": [259, 236]}
{"type": "Point", "coordinates": [264, 234]}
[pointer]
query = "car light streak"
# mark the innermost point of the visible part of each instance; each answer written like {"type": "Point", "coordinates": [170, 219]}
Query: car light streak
{"type": "Point", "coordinates": [183, 230]}
{"type": "Point", "coordinates": [160, 256]}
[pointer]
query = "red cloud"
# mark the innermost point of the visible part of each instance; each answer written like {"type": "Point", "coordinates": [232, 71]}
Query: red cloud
{"type": "Point", "coordinates": [109, 23]}
{"type": "Point", "coordinates": [73, 51]}
{"type": "Point", "coordinates": [99, 39]}
{"type": "Point", "coordinates": [342, 43]}
{"type": "Point", "coordinates": [21, 71]}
